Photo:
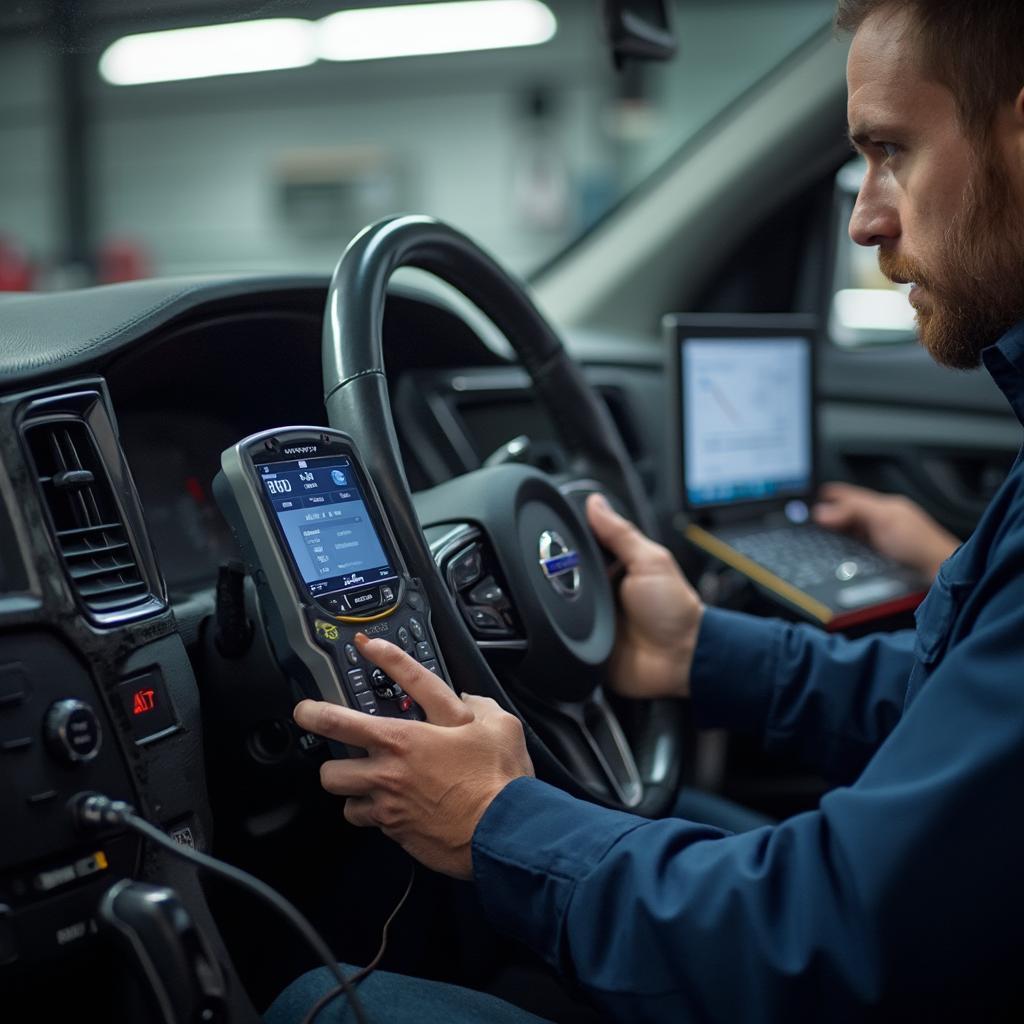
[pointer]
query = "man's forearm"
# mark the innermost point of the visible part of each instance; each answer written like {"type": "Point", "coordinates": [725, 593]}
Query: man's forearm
{"type": "Point", "coordinates": [830, 699]}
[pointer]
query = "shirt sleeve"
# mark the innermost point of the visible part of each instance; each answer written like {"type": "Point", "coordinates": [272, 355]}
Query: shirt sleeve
{"type": "Point", "coordinates": [900, 893]}
{"type": "Point", "coordinates": [830, 700]}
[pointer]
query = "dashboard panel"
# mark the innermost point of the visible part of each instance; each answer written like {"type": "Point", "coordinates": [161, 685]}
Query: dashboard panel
{"type": "Point", "coordinates": [175, 373]}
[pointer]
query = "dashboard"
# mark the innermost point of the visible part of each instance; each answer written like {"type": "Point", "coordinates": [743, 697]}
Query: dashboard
{"type": "Point", "coordinates": [187, 395]}
{"type": "Point", "coordinates": [164, 376]}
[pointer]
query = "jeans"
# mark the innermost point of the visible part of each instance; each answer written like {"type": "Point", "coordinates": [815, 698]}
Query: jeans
{"type": "Point", "coordinates": [394, 998]}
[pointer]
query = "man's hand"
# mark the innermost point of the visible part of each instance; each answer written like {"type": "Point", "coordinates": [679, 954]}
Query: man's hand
{"type": "Point", "coordinates": [660, 612]}
{"type": "Point", "coordinates": [890, 523]}
{"type": "Point", "coordinates": [424, 784]}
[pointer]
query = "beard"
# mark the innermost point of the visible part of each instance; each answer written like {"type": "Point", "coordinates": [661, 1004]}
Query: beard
{"type": "Point", "coordinates": [975, 284]}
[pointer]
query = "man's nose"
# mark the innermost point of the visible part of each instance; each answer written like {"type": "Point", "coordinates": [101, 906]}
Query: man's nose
{"type": "Point", "coordinates": [873, 220]}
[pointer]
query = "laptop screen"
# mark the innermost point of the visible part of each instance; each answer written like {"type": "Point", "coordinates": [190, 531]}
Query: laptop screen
{"type": "Point", "coordinates": [746, 412]}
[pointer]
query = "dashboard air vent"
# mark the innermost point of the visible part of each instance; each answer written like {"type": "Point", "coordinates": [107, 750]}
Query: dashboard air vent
{"type": "Point", "coordinates": [88, 529]}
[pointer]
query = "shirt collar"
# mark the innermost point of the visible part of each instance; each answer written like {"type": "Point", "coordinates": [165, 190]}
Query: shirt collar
{"type": "Point", "coordinates": [1005, 362]}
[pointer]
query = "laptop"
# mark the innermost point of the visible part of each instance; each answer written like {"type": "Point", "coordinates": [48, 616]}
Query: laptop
{"type": "Point", "coordinates": [745, 455]}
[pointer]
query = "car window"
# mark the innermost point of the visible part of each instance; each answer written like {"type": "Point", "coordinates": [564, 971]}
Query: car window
{"type": "Point", "coordinates": [106, 177]}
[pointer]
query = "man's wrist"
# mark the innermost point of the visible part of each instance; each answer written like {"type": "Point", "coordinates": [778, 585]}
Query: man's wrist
{"type": "Point", "coordinates": [688, 651]}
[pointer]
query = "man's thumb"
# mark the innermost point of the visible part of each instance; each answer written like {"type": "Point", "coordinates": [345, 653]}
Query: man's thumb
{"type": "Point", "coordinates": [617, 534]}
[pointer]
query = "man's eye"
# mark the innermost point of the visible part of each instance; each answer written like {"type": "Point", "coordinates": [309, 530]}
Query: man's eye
{"type": "Point", "coordinates": [890, 149]}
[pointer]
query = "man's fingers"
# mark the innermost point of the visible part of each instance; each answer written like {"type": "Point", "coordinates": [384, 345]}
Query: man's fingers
{"type": "Point", "coordinates": [836, 490]}
{"type": "Point", "coordinates": [359, 811]}
{"type": "Point", "coordinates": [432, 694]}
{"type": "Point", "coordinates": [355, 776]}
{"type": "Point", "coordinates": [617, 534]}
{"type": "Point", "coordinates": [836, 517]}
{"type": "Point", "coordinates": [345, 725]}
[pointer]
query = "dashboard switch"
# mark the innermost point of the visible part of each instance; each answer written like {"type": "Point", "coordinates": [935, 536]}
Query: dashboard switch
{"type": "Point", "coordinates": [73, 732]}
{"type": "Point", "coordinates": [147, 706]}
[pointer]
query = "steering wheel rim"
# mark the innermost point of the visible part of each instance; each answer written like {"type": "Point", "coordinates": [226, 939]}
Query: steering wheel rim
{"type": "Point", "coordinates": [357, 400]}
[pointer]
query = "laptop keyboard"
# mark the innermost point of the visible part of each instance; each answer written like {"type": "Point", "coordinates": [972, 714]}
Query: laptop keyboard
{"type": "Point", "coordinates": [808, 556]}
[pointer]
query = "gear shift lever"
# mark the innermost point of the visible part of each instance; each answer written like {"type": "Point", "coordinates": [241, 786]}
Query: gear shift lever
{"type": "Point", "coordinates": [156, 931]}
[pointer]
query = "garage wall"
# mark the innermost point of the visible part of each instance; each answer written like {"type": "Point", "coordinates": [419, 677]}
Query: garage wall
{"type": "Point", "coordinates": [195, 172]}
{"type": "Point", "coordinates": [27, 146]}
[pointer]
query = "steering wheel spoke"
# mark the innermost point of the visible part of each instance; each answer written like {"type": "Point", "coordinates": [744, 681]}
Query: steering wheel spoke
{"type": "Point", "coordinates": [588, 734]}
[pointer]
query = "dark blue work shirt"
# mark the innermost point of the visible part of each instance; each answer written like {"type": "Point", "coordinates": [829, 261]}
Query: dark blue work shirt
{"type": "Point", "coordinates": [901, 897]}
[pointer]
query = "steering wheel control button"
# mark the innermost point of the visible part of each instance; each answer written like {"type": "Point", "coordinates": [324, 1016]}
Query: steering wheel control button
{"type": "Point", "coordinates": [404, 639]}
{"type": "Point", "coordinates": [417, 629]}
{"type": "Point", "coordinates": [486, 621]}
{"type": "Point", "coordinates": [424, 652]}
{"type": "Point", "coordinates": [357, 680]}
{"type": "Point", "coordinates": [73, 732]}
{"type": "Point", "coordinates": [351, 654]}
{"type": "Point", "coordinates": [487, 593]}
{"type": "Point", "coordinates": [465, 569]}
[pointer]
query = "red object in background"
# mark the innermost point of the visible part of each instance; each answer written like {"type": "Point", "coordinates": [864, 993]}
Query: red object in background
{"type": "Point", "coordinates": [16, 272]}
{"type": "Point", "coordinates": [121, 259]}
{"type": "Point", "coordinates": [143, 701]}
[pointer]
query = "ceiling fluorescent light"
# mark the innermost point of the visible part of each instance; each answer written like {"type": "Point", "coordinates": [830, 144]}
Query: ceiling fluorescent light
{"type": "Point", "coordinates": [233, 49]}
{"type": "Point", "coordinates": [415, 29]}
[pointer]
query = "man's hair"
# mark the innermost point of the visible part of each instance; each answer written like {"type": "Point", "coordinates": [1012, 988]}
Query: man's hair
{"type": "Point", "coordinates": [973, 47]}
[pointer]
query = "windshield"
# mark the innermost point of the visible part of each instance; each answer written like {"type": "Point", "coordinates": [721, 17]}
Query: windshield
{"type": "Point", "coordinates": [173, 154]}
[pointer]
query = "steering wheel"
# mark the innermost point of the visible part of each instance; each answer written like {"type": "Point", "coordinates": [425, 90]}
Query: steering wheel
{"type": "Point", "coordinates": [519, 590]}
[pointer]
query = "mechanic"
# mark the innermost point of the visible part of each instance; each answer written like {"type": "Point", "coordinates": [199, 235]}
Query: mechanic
{"type": "Point", "coordinates": [900, 897]}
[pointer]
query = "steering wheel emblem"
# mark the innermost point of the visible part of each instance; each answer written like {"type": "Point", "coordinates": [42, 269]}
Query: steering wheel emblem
{"type": "Point", "coordinates": [559, 563]}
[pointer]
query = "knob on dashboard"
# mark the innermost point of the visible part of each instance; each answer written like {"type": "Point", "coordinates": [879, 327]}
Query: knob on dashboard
{"type": "Point", "coordinates": [72, 731]}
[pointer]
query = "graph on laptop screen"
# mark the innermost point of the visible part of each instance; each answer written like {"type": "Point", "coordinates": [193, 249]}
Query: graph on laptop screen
{"type": "Point", "coordinates": [746, 418]}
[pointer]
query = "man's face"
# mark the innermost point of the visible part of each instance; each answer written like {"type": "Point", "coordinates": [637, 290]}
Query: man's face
{"type": "Point", "coordinates": [942, 206]}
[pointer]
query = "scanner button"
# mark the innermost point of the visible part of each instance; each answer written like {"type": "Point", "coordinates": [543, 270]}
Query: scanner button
{"type": "Point", "coordinates": [432, 666]}
{"type": "Point", "coordinates": [352, 654]}
{"type": "Point", "coordinates": [424, 651]}
{"type": "Point", "coordinates": [417, 629]}
{"type": "Point", "coordinates": [404, 639]}
{"type": "Point", "coordinates": [367, 702]}
{"type": "Point", "coordinates": [363, 600]}
{"type": "Point", "coordinates": [387, 595]}
{"type": "Point", "coordinates": [404, 703]}
{"type": "Point", "coordinates": [357, 680]}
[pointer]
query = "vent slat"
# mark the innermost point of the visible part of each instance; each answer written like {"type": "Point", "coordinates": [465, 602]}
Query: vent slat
{"type": "Point", "coordinates": [89, 551]}
{"type": "Point", "coordinates": [89, 534]}
{"type": "Point", "coordinates": [107, 588]}
{"type": "Point", "coordinates": [84, 572]}
{"type": "Point", "coordinates": [61, 534]}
